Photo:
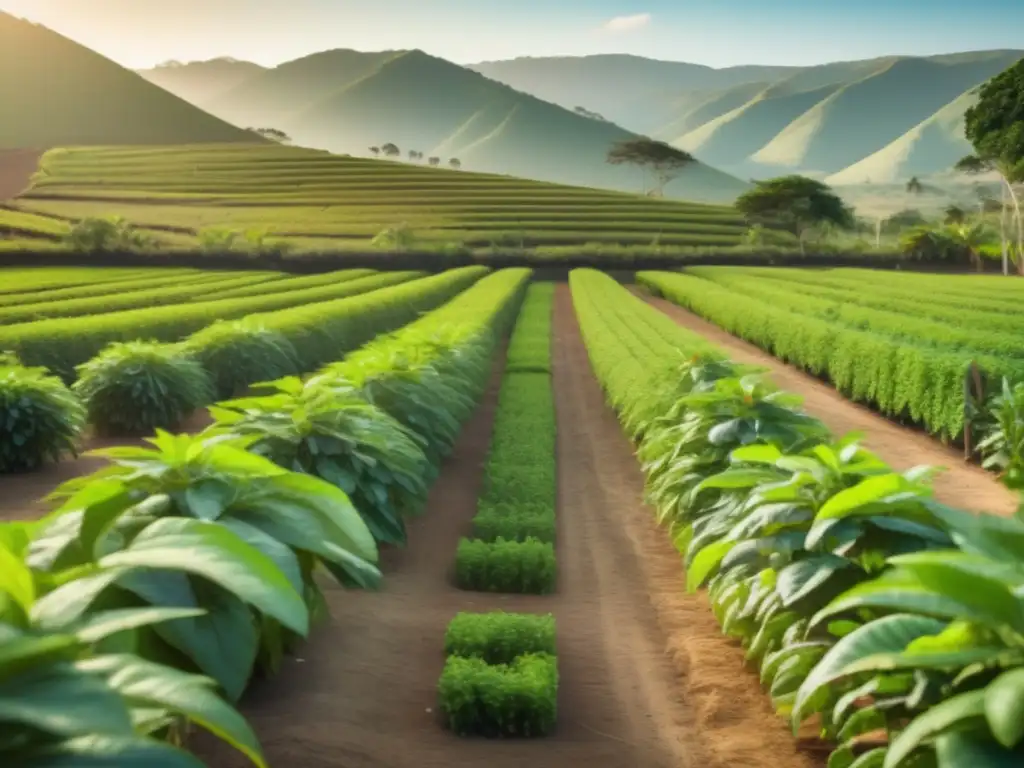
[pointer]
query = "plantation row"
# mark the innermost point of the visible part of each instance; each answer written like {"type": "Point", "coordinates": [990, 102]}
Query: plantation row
{"type": "Point", "coordinates": [512, 548]}
{"type": "Point", "coordinates": [132, 388]}
{"type": "Point", "coordinates": [877, 341]}
{"type": "Point", "coordinates": [223, 533]}
{"type": "Point", "coordinates": [868, 608]}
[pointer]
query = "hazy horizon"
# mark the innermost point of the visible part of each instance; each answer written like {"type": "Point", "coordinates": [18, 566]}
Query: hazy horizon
{"type": "Point", "coordinates": [144, 33]}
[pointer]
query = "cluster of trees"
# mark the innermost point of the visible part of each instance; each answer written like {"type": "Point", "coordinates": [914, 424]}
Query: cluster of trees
{"type": "Point", "coordinates": [271, 133]}
{"type": "Point", "coordinates": [584, 112]}
{"type": "Point", "coordinates": [392, 150]}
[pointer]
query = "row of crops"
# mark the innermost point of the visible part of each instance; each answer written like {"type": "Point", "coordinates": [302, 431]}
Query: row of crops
{"type": "Point", "coordinates": [902, 343]}
{"type": "Point", "coordinates": [166, 582]}
{"type": "Point", "coordinates": [890, 622]}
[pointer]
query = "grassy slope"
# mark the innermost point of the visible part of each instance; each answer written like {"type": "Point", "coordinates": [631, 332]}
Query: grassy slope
{"type": "Point", "coordinates": [327, 201]}
{"type": "Point", "coordinates": [202, 82]}
{"type": "Point", "coordinates": [56, 92]}
{"type": "Point", "coordinates": [700, 107]}
{"type": "Point", "coordinates": [862, 117]}
{"type": "Point", "coordinates": [422, 102]}
{"type": "Point", "coordinates": [937, 142]}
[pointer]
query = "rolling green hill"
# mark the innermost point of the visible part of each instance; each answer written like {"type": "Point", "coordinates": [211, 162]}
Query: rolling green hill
{"type": "Point", "coordinates": [54, 91]}
{"type": "Point", "coordinates": [202, 82]}
{"type": "Point", "coordinates": [347, 101]}
{"type": "Point", "coordinates": [272, 98]}
{"type": "Point", "coordinates": [935, 143]}
{"type": "Point", "coordinates": [862, 117]}
{"type": "Point", "coordinates": [638, 93]}
{"type": "Point", "coordinates": [322, 202]}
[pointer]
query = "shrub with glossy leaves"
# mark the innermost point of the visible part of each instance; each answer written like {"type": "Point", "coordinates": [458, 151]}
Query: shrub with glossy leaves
{"type": "Point", "coordinates": [240, 353]}
{"type": "Point", "coordinates": [135, 387]}
{"type": "Point", "coordinates": [40, 418]}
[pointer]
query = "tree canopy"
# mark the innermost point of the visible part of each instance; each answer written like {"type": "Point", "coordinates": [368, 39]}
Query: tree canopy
{"type": "Point", "coordinates": [796, 202]}
{"type": "Point", "coordinates": [273, 134]}
{"type": "Point", "coordinates": [995, 125]}
{"type": "Point", "coordinates": [664, 160]}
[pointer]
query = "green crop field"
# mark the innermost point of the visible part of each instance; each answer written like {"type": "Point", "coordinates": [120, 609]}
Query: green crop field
{"type": "Point", "coordinates": [334, 403]}
{"type": "Point", "coordinates": [319, 201]}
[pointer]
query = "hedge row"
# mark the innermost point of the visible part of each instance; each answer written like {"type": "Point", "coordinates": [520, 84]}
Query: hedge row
{"type": "Point", "coordinates": [61, 344]}
{"type": "Point", "coordinates": [501, 675]}
{"type": "Point", "coordinates": [863, 603]}
{"type": "Point", "coordinates": [104, 283]}
{"type": "Point", "coordinates": [922, 384]}
{"type": "Point", "coordinates": [512, 549]}
{"type": "Point", "coordinates": [294, 283]}
{"type": "Point", "coordinates": [963, 322]}
{"type": "Point", "coordinates": [176, 293]}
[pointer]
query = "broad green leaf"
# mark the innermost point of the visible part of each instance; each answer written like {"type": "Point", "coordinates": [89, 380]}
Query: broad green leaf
{"type": "Point", "coordinates": [756, 454]}
{"type": "Point", "coordinates": [58, 700]}
{"type": "Point", "coordinates": [739, 477]}
{"type": "Point", "coordinates": [68, 602]}
{"type": "Point", "coordinates": [282, 555]}
{"type": "Point", "coordinates": [149, 684]}
{"type": "Point", "coordinates": [1004, 707]}
{"type": "Point", "coordinates": [888, 634]}
{"type": "Point", "coordinates": [16, 579]}
{"type": "Point", "coordinates": [101, 625]}
{"type": "Point", "coordinates": [973, 750]}
{"type": "Point", "coordinates": [874, 758]}
{"type": "Point", "coordinates": [706, 562]}
{"type": "Point", "coordinates": [959, 713]}
{"type": "Point", "coordinates": [860, 498]}
{"type": "Point", "coordinates": [102, 751]}
{"type": "Point", "coordinates": [20, 652]}
{"type": "Point", "coordinates": [800, 579]}
{"type": "Point", "coordinates": [214, 552]}
{"type": "Point", "coordinates": [208, 498]}
{"type": "Point", "coordinates": [221, 643]}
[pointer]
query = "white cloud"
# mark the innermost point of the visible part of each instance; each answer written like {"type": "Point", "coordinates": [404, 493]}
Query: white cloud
{"type": "Point", "coordinates": [627, 23]}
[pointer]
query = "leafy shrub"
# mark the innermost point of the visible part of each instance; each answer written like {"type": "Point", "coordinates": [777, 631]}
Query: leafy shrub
{"type": "Point", "coordinates": [332, 432]}
{"type": "Point", "coordinates": [135, 387]}
{"type": "Point", "coordinates": [1002, 424]}
{"type": "Point", "coordinates": [499, 637]}
{"type": "Point", "coordinates": [239, 353]}
{"type": "Point", "coordinates": [40, 419]}
{"type": "Point", "coordinates": [514, 700]}
{"type": "Point", "coordinates": [529, 349]}
{"type": "Point", "coordinates": [224, 531]}
{"type": "Point", "coordinates": [100, 235]}
{"type": "Point", "coordinates": [516, 567]}
{"type": "Point", "coordinates": [218, 239]}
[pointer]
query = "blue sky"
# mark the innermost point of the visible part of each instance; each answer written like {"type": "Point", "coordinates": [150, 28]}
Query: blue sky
{"type": "Point", "coordinates": [713, 32]}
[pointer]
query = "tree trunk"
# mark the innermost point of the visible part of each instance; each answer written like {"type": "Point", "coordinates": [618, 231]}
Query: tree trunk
{"type": "Point", "coordinates": [878, 234]}
{"type": "Point", "coordinates": [1002, 226]}
{"type": "Point", "coordinates": [1020, 225]}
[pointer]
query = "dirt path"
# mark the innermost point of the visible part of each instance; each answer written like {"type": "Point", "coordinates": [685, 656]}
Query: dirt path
{"type": "Point", "coordinates": [962, 485]}
{"type": "Point", "coordinates": [631, 696]}
{"type": "Point", "coordinates": [16, 169]}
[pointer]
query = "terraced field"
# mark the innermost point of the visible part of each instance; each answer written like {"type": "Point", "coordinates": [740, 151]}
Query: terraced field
{"type": "Point", "coordinates": [318, 201]}
{"type": "Point", "coordinates": [496, 489]}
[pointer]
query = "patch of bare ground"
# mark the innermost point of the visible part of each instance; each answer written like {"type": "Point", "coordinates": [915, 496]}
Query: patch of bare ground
{"type": "Point", "coordinates": [16, 169]}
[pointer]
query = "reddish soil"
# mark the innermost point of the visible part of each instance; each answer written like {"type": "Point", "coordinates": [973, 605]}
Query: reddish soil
{"type": "Point", "coordinates": [24, 494]}
{"type": "Point", "coordinates": [961, 485]}
{"type": "Point", "coordinates": [16, 169]}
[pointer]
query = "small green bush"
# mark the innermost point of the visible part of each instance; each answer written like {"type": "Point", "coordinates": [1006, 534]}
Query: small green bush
{"type": "Point", "coordinates": [515, 522]}
{"type": "Point", "coordinates": [240, 353]}
{"type": "Point", "coordinates": [40, 418]}
{"type": "Point", "coordinates": [518, 699]}
{"type": "Point", "coordinates": [136, 387]}
{"type": "Point", "coordinates": [499, 637]}
{"type": "Point", "coordinates": [516, 567]}
{"type": "Point", "coordinates": [105, 234]}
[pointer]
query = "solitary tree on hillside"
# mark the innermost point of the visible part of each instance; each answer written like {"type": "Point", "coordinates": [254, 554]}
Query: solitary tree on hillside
{"type": "Point", "coordinates": [455, 163]}
{"type": "Point", "coordinates": [954, 214]}
{"type": "Point", "coordinates": [665, 161]}
{"type": "Point", "coordinates": [273, 134]}
{"type": "Point", "coordinates": [434, 161]}
{"type": "Point", "coordinates": [796, 202]}
{"type": "Point", "coordinates": [914, 186]}
{"type": "Point", "coordinates": [390, 150]}
{"type": "Point", "coordinates": [413, 154]}
{"type": "Point", "coordinates": [375, 151]}
{"type": "Point", "coordinates": [994, 127]}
